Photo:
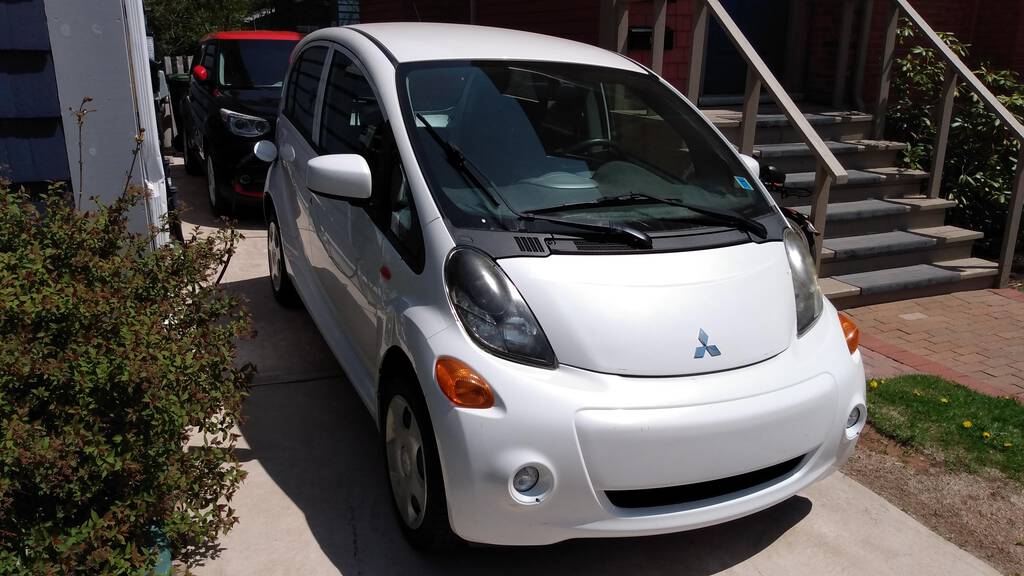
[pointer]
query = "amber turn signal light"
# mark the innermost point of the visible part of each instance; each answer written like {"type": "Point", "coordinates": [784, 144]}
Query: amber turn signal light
{"type": "Point", "coordinates": [851, 332]}
{"type": "Point", "coordinates": [462, 385]}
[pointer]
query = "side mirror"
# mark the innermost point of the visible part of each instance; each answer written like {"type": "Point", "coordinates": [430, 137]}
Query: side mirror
{"type": "Point", "coordinates": [753, 166]}
{"type": "Point", "coordinates": [200, 73]}
{"type": "Point", "coordinates": [265, 150]}
{"type": "Point", "coordinates": [772, 177]}
{"type": "Point", "coordinates": [343, 176]}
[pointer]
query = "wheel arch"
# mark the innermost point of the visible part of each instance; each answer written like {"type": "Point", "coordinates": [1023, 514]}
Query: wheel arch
{"type": "Point", "coordinates": [395, 363]}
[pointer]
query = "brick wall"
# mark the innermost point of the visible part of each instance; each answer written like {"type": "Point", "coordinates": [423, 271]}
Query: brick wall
{"type": "Point", "coordinates": [994, 28]}
{"type": "Point", "coordinates": [676, 65]}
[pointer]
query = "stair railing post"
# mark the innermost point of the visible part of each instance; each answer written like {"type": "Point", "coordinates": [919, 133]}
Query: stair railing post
{"type": "Point", "coordinates": [843, 53]}
{"type": "Point", "coordinates": [658, 36]}
{"type": "Point", "coordinates": [748, 122]}
{"type": "Point", "coordinates": [819, 209]}
{"type": "Point", "coordinates": [888, 59]}
{"type": "Point", "coordinates": [943, 118]}
{"type": "Point", "coordinates": [1012, 227]}
{"type": "Point", "coordinates": [699, 43]}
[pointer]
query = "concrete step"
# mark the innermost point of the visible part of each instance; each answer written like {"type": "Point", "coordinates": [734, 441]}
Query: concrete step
{"type": "Point", "coordinates": [774, 128]}
{"type": "Point", "coordinates": [864, 184]}
{"type": "Point", "coordinates": [895, 249]}
{"type": "Point", "coordinates": [915, 281]}
{"type": "Point", "coordinates": [875, 216]}
{"type": "Point", "coordinates": [854, 154]}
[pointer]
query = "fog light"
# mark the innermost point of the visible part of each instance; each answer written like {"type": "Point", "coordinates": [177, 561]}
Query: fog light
{"type": "Point", "coordinates": [853, 418]}
{"type": "Point", "coordinates": [525, 479]}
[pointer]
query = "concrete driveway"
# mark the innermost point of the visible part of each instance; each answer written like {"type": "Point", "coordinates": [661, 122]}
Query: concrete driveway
{"type": "Point", "coordinates": [316, 501]}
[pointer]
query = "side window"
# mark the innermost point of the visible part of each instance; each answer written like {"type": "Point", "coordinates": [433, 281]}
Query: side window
{"type": "Point", "coordinates": [207, 59]}
{"type": "Point", "coordinates": [352, 122]}
{"type": "Point", "coordinates": [300, 102]}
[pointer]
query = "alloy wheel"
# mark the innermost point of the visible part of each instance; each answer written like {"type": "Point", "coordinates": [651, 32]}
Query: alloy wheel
{"type": "Point", "coordinates": [211, 180]}
{"type": "Point", "coordinates": [274, 251]}
{"type": "Point", "coordinates": [406, 462]}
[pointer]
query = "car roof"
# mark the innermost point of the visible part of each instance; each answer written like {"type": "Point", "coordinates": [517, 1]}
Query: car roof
{"type": "Point", "coordinates": [424, 41]}
{"type": "Point", "coordinates": [253, 35]}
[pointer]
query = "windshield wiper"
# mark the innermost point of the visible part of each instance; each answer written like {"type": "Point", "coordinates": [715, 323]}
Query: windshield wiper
{"type": "Point", "coordinates": [465, 167]}
{"type": "Point", "coordinates": [627, 233]}
{"type": "Point", "coordinates": [729, 217]}
{"type": "Point", "coordinates": [478, 179]}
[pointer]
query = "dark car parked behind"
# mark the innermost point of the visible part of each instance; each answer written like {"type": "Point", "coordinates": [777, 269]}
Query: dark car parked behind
{"type": "Point", "coordinates": [231, 104]}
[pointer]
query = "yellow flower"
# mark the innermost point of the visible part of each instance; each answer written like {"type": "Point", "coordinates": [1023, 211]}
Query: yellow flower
{"type": "Point", "coordinates": [1007, 444]}
{"type": "Point", "coordinates": [917, 392]}
{"type": "Point", "coordinates": [986, 435]}
{"type": "Point", "coordinates": [944, 400]}
{"type": "Point", "coordinates": [873, 384]}
{"type": "Point", "coordinates": [968, 423]}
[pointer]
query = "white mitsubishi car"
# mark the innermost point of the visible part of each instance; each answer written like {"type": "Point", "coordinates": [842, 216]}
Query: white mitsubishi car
{"type": "Point", "coordinates": [571, 307]}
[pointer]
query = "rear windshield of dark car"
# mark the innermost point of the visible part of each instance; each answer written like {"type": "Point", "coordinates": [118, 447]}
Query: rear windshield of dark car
{"type": "Point", "coordinates": [254, 63]}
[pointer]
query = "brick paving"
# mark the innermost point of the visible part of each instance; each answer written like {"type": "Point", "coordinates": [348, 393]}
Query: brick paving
{"type": "Point", "coordinates": [975, 338]}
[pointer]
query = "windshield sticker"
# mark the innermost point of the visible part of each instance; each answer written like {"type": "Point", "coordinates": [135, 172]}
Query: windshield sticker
{"type": "Point", "coordinates": [743, 183]}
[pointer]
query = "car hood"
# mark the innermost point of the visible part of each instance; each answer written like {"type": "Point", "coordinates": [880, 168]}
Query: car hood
{"type": "Point", "coordinates": [260, 102]}
{"type": "Point", "coordinates": [662, 314]}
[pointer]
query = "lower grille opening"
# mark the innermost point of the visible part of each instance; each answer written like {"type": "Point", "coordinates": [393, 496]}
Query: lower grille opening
{"type": "Point", "coordinates": [687, 493]}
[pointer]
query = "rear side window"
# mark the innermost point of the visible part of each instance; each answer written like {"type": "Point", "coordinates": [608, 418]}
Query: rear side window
{"type": "Point", "coordinates": [300, 104]}
{"type": "Point", "coordinates": [207, 58]}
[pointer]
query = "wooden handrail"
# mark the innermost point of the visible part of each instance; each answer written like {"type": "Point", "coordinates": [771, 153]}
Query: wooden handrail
{"type": "Point", "coordinates": [810, 137]}
{"type": "Point", "coordinates": [829, 171]}
{"type": "Point", "coordinates": [956, 71]}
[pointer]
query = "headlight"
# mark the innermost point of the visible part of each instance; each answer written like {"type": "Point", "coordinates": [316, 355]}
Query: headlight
{"type": "Point", "coordinates": [809, 302]}
{"type": "Point", "coordinates": [492, 311]}
{"type": "Point", "coordinates": [243, 124]}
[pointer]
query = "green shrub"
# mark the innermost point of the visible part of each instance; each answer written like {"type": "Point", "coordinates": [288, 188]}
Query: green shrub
{"type": "Point", "coordinates": [981, 156]}
{"type": "Point", "coordinates": [113, 355]}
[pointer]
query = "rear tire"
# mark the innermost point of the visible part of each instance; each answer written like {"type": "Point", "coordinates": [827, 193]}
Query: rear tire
{"type": "Point", "coordinates": [192, 165]}
{"type": "Point", "coordinates": [414, 467]}
{"type": "Point", "coordinates": [280, 282]}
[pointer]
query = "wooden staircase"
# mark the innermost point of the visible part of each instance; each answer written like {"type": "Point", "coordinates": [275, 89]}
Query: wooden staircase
{"type": "Point", "coordinates": [884, 239]}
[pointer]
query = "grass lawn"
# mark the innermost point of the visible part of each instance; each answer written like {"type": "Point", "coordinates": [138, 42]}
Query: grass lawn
{"type": "Point", "coordinates": [966, 429]}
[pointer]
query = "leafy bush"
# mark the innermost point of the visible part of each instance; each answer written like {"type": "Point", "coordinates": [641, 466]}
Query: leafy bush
{"type": "Point", "coordinates": [118, 391]}
{"type": "Point", "coordinates": [981, 156]}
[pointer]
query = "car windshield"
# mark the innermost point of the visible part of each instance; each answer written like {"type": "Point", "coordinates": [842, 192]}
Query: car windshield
{"type": "Point", "coordinates": [577, 142]}
{"type": "Point", "coordinates": [254, 63]}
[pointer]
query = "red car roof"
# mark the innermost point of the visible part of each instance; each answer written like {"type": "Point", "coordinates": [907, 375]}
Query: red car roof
{"type": "Point", "coordinates": [253, 35]}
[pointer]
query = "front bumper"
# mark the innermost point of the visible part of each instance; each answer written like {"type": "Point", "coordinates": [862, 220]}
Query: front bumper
{"type": "Point", "coordinates": [242, 174]}
{"type": "Point", "coordinates": [591, 434]}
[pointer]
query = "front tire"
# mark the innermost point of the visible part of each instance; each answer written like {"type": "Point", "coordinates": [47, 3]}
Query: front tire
{"type": "Point", "coordinates": [280, 282]}
{"type": "Point", "coordinates": [414, 467]}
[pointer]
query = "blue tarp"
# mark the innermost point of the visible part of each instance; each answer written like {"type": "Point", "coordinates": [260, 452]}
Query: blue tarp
{"type": "Point", "coordinates": [32, 145]}
{"type": "Point", "coordinates": [32, 150]}
{"type": "Point", "coordinates": [23, 25]}
{"type": "Point", "coordinates": [28, 87]}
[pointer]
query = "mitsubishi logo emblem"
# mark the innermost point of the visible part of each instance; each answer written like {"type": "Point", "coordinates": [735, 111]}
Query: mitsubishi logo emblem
{"type": "Point", "coordinates": [704, 348]}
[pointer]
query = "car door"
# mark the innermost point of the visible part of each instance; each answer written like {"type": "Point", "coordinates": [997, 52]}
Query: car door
{"type": "Point", "coordinates": [201, 101]}
{"type": "Point", "coordinates": [295, 148]}
{"type": "Point", "coordinates": [345, 252]}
